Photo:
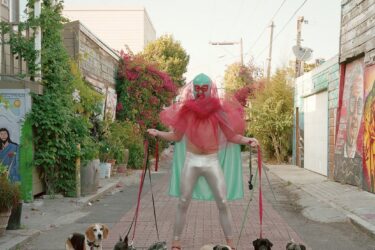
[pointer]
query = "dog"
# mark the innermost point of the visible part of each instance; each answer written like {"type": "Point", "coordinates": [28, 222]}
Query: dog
{"type": "Point", "coordinates": [123, 244]}
{"type": "Point", "coordinates": [91, 240]}
{"type": "Point", "coordinates": [262, 244]}
{"type": "Point", "coordinates": [215, 247]}
{"type": "Point", "coordinates": [295, 246]}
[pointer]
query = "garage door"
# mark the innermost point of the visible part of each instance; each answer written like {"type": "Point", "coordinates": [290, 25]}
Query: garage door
{"type": "Point", "coordinates": [316, 132]}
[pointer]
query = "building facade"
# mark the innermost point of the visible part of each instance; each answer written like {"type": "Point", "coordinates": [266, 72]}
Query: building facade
{"type": "Point", "coordinates": [16, 101]}
{"type": "Point", "coordinates": [118, 26]}
{"type": "Point", "coordinates": [316, 99]}
{"type": "Point", "coordinates": [96, 60]}
{"type": "Point", "coordinates": [355, 142]}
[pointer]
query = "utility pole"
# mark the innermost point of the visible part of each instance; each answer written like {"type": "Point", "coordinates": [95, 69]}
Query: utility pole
{"type": "Point", "coordinates": [300, 20]}
{"type": "Point", "coordinates": [38, 42]}
{"type": "Point", "coordinates": [231, 43]}
{"type": "Point", "coordinates": [270, 54]}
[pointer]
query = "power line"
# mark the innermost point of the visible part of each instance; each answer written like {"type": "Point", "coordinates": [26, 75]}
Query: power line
{"type": "Point", "coordinates": [283, 28]}
{"type": "Point", "coordinates": [237, 16]}
{"type": "Point", "coordinates": [265, 28]}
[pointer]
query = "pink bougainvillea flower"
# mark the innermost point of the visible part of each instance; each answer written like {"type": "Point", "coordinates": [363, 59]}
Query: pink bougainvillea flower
{"type": "Point", "coordinates": [119, 106]}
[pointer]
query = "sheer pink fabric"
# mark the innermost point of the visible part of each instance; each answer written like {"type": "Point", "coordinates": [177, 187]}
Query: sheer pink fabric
{"type": "Point", "coordinates": [204, 121]}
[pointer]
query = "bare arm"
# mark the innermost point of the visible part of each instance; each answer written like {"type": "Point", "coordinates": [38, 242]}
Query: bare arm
{"type": "Point", "coordinates": [236, 138]}
{"type": "Point", "coordinates": [169, 136]}
{"type": "Point", "coordinates": [239, 139]}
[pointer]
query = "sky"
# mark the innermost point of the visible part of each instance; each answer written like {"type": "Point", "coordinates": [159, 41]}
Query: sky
{"type": "Point", "coordinates": [194, 23]}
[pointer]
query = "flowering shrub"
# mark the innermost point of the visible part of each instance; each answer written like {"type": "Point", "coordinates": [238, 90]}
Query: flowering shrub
{"type": "Point", "coordinates": [142, 91]}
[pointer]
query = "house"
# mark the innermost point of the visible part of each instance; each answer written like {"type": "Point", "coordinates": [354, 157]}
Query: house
{"type": "Point", "coordinates": [316, 99]}
{"type": "Point", "coordinates": [15, 99]}
{"type": "Point", "coordinates": [119, 26]}
{"type": "Point", "coordinates": [355, 144]}
{"type": "Point", "coordinates": [96, 60]}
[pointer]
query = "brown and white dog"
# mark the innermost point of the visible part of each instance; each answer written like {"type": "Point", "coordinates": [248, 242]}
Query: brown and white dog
{"type": "Point", "coordinates": [91, 240]}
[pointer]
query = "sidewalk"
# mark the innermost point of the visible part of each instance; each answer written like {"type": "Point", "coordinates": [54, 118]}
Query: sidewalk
{"type": "Point", "coordinates": [346, 202]}
{"type": "Point", "coordinates": [46, 214]}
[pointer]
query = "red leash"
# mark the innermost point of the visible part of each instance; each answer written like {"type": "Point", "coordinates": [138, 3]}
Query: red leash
{"type": "Point", "coordinates": [156, 156]}
{"type": "Point", "coordinates": [141, 185]}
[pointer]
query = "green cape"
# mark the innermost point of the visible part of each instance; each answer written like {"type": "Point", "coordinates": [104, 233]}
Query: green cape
{"type": "Point", "coordinates": [231, 163]}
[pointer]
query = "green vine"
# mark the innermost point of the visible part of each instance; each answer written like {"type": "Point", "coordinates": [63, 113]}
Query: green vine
{"type": "Point", "coordinates": [20, 44]}
{"type": "Point", "coordinates": [58, 129]}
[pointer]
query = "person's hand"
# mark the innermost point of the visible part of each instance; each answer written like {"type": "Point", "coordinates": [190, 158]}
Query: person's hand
{"type": "Point", "coordinates": [253, 142]}
{"type": "Point", "coordinates": [152, 131]}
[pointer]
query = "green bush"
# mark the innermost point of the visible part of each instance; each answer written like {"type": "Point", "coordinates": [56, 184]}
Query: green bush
{"type": "Point", "coordinates": [271, 117]}
{"type": "Point", "coordinates": [136, 156]}
{"type": "Point", "coordinates": [118, 136]}
{"type": "Point", "coordinates": [9, 193]}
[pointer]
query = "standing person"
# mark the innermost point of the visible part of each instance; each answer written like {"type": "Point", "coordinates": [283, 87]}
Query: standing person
{"type": "Point", "coordinates": [9, 155]}
{"type": "Point", "coordinates": [207, 125]}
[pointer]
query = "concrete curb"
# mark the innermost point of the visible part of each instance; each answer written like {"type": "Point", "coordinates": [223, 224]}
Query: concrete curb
{"type": "Point", "coordinates": [15, 239]}
{"type": "Point", "coordinates": [353, 218]}
{"type": "Point", "coordinates": [108, 187]}
{"type": "Point", "coordinates": [361, 223]}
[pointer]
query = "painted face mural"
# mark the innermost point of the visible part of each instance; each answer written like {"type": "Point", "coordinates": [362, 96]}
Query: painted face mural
{"type": "Point", "coordinates": [354, 110]}
{"type": "Point", "coordinates": [202, 86]}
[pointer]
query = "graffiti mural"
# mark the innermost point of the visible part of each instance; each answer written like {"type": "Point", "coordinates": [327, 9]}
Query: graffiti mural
{"type": "Point", "coordinates": [369, 130]}
{"type": "Point", "coordinates": [14, 104]}
{"type": "Point", "coordinates": [349, 142]}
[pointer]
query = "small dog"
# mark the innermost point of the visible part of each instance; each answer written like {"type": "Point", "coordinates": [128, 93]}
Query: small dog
{"type": "Point", "coordinates": [262, 244]}
{"type": "Point", "coordinates": [215, 247]}
{"type": "Point", "coordinates": [295, 246]}
{"type": "Point", "coordinates": [91, 240]}
{"type": "Point", "coordinates": [123, 244]}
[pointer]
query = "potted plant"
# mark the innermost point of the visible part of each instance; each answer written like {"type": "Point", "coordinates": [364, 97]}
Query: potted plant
{"type": "Point", "coordinates": [9, 197]}
{"type": "Point", "coordinates": [104, 155]}
{"type": "Point", "coordinates": [89, 166]}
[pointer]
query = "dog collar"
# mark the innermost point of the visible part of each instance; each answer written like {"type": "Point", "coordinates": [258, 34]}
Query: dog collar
{"type": "Point", "coordinates": [91, 244]}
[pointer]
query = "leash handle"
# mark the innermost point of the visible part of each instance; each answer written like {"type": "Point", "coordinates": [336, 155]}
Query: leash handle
{"type": "Point", "coordinates": [251, 173]}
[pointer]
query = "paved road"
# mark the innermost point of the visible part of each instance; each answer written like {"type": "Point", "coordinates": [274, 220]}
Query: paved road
{"type": "Point", "coordinates": [294, 214]}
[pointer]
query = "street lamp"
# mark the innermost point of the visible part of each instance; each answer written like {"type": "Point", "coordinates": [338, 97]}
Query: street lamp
{"type": "Point", "coordinates": [231, 43]}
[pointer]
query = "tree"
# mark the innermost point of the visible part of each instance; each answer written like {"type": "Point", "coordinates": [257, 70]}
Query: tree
{"type": "Point", "coordinates": [142, 91]}
{"type": "Point", "coordinates": [271, 116]}
{"type": "Point", "coordinates": [238, 76]}
{"type": "Point", "coordinates": [169, 56]}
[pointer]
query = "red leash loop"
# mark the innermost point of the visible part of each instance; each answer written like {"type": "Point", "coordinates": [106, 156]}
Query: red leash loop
{"type": "Point", "coordinates": [260, 191]}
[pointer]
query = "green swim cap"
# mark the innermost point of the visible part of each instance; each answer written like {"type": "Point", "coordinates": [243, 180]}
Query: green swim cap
{"type": "Point", "coordinates": [202, 79]}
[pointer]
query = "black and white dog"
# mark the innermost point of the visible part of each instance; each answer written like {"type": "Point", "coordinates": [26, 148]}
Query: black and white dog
{"type": "Point", "coordinates": [123, 244]}
{"type": "Point", "coordinates": [295, 246]}
{"type": "Point", "coordinates": [262, 244]}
